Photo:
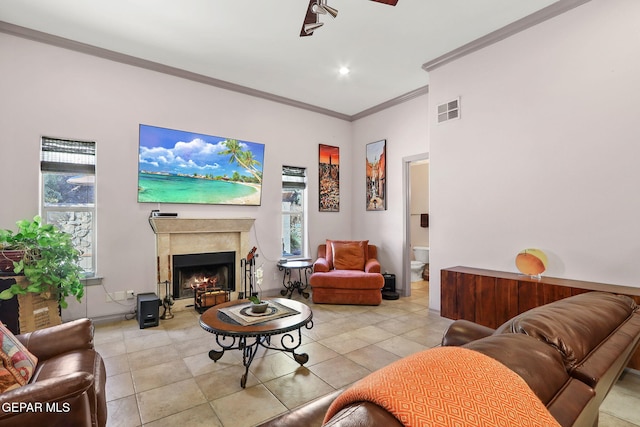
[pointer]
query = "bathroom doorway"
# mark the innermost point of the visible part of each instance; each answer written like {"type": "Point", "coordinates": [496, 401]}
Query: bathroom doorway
{"type": "Point", "coordinates": [416, 204]}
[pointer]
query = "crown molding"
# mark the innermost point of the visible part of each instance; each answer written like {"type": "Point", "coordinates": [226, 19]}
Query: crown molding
{"type": "Point", "coordinates": [392, 102]}
{"type": "Point", "coordinates": [529, 21]}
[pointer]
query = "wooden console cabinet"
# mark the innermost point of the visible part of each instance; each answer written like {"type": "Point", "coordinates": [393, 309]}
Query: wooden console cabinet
{"type": "Point", "coordinates": [490, 298]}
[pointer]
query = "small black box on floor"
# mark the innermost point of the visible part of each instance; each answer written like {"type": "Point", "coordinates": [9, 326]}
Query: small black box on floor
{"type": "Point", "coordinates": [389, 290]}
{"type": "Point", "coordinates": [148, 310]}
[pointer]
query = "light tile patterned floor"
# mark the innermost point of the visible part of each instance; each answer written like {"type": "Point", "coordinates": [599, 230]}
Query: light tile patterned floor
{"type": "Point", "coordinates": [162, 376]}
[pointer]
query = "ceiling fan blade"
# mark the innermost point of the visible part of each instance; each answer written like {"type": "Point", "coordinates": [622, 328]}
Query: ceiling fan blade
{"type": "Point", "coordinates": [389, 2]}
{"type": "Point", "coordinates": [309, 19]}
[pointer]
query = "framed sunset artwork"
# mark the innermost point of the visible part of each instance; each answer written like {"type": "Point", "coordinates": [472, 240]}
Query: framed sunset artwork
{"type": "Point", "coordinates": [329, 173]}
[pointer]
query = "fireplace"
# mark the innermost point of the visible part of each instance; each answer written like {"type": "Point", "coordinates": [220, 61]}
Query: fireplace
{"type": "Point", "coordinates": [193, 270]}
{"type": "Point", "coordinates": [183, 236]}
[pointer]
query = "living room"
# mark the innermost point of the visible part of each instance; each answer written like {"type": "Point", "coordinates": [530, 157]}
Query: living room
{"type": "Point", "coordinates": [575, 165]}
{"type": "Point", "coordinates": [543, 155]}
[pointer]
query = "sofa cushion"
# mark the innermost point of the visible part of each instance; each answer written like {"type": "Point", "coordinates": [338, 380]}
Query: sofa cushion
{"type": "Point", "coordinates": [348, 255]}
{"type": "Point", "coordinates": [537, 363]}
{"type": "Point", "coordinates": [68, 363]}
{"type": "Point", "coordinates": [347, 279]}
{"type": "Point", "coordinates": [15, 357]}
{"type": "Point", "coordinates": [605, 362]}
{"type": "Point", "coordinates": [330, 255]}
{"type": "Point", "coordinates": [574, 326]}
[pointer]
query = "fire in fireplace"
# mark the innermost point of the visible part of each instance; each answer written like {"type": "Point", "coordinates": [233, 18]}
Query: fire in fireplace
{"type": "Point", "coordinates": [191, 270]}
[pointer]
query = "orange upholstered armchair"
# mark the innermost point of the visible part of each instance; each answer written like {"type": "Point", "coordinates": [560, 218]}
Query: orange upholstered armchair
{"type": "Point", "coordinates": [347, 272]}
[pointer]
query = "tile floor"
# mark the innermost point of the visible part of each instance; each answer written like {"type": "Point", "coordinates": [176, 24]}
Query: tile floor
{"type": "Point", "coordinates": [162, 376]}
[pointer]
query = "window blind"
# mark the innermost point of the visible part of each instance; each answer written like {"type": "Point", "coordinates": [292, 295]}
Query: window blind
{"type": "Point", "coordinates": [61, 155]}
{"type": "Point", "coordinates": [294, 177]}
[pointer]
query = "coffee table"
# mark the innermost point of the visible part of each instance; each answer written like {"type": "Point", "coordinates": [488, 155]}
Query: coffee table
{"type": "Point", "coordinates": [232, 335]}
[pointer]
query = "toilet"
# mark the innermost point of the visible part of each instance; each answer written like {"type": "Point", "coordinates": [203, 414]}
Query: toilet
{"type": "Point", "coordinates": [421, 257]}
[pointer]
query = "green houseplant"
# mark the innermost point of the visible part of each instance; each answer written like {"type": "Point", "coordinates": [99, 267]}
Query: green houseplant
{"type": "Point", "coordinates": [50, 262]}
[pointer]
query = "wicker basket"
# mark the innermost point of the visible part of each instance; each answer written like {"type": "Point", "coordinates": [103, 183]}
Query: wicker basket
{"type": "Point", "coordinates": [7, 258]}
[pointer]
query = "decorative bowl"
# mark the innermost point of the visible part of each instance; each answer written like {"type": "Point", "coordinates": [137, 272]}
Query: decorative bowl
{"type": "Point", "coordinates": [261, 307]}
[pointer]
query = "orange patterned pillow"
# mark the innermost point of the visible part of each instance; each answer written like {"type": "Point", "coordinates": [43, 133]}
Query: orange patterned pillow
{"type": "Point", "coordinates": [348, 255]}
{"type": "Point", "coordinates": [15, 356]}
{"type": "Point", "coordinates": [7, 380]}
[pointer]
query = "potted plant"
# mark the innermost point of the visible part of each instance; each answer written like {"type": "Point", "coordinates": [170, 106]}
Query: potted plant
{"type": "Point", "coordinates": [48, 261]}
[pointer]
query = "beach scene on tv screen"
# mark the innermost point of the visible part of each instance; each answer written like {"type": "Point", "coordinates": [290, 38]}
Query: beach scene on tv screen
{"type": "Point", "coordinates": [183, 167]}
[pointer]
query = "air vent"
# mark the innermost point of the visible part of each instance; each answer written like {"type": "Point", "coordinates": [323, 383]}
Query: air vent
{"type": "Point", "coordinates": [449, 110]}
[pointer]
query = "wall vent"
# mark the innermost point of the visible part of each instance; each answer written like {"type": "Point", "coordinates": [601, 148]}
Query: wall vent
{"type": "Point", "coordinates": [449, 110]}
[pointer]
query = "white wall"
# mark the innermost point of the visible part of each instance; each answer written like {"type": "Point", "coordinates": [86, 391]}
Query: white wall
{"type": "Point", "coordinates": [51, 91]}
{"type": "Point", "coordinates": [546, 152]}
{"type": "Point", "coordinates": [405, 128]}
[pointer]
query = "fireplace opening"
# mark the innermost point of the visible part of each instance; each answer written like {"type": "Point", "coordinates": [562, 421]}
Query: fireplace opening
{"type": "Point", "coordinates": [192, 270]}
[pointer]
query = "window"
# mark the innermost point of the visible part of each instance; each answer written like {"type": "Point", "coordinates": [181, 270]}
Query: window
{"type": "Point", "coordinates": [68, 193]}
{"type": "Point", "coordinates": [294, 184]}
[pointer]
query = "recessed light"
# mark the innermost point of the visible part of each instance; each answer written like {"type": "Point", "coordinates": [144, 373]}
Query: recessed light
{"type": "Point", "coordinates": [344, 71]}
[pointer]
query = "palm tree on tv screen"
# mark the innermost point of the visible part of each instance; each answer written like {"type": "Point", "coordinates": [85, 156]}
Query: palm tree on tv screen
{"type": "Point", "coordinates": [243, 157]}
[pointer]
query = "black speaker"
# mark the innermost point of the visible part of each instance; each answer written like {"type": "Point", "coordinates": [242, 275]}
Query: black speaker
{"type": "Point", "coordinates": [9, 310]}
{"type": "Point", "coordinates": [389, 290]}
{"type": "Point", "coordinates": [148, 310]}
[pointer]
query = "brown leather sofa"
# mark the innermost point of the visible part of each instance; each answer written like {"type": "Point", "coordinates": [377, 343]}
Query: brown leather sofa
{"type": "Point", "coordinates": [596, 334]}
{"type": "Point", "coordinates": [68, 385]}
{"type": "Point", "coordinates": [569, 352]}
{"type": "Point", "coordinates": [347, 272]}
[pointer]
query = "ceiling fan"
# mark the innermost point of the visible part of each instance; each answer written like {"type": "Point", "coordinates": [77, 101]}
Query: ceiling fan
{"type": "Point", "coordinates": [320, 7]}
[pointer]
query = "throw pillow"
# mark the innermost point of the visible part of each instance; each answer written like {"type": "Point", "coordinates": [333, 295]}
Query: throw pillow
{"type": "Point", "coordinates": [15, 356]}
{"type": "Point", "coordinates": [329, 250]}
{"type": "Point", "coordinates": [348, 255]}
{"type": "Point", "coordinates": [7, 380]}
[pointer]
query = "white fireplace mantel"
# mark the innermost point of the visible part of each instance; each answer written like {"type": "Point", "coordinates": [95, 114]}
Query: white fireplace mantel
{"type": "Point", "coordinates": [181, 236]}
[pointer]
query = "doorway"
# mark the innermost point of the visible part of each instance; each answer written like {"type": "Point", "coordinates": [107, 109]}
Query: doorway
{"type": "Point", "coordinates": [410, 212]}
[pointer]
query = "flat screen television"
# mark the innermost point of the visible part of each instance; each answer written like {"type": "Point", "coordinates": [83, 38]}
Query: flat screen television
{"type": "Point", "coordinates": [175, 166]}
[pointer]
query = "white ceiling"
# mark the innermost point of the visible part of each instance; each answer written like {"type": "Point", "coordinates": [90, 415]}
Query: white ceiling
{"type": "Point", "coordinates": [256, 43]}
